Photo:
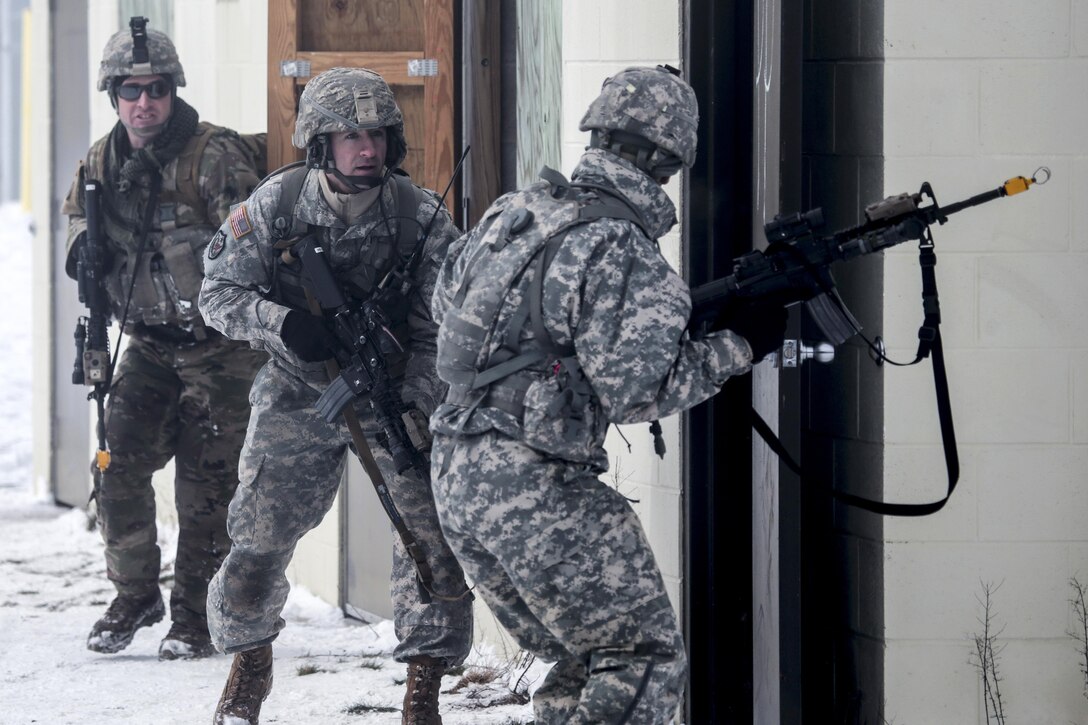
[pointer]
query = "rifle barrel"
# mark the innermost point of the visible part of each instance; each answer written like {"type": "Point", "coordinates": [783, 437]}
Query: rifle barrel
{"type": "Point", "coordinates": [975, 200]}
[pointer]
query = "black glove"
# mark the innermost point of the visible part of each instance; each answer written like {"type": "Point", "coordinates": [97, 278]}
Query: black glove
{"type": "Point", "coordinates": [762, 324]}
{"type": "Point", "coordinates": [308, 336]}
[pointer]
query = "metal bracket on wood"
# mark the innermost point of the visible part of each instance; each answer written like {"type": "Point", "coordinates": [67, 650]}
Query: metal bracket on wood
{"type": "Point", "coordinates": [295, 68]}
{"type": "Point", "coordinates": [423, 67]}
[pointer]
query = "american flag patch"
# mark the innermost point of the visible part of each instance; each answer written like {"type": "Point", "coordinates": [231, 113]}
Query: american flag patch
{"type": "Point", "coordinates": [239, 222]}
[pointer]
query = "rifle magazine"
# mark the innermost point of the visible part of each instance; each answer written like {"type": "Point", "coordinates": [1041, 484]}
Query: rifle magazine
{"type": "Point", "coordinates": [831, 316]}
{"type": "Point", "coordinates": [334, 399]}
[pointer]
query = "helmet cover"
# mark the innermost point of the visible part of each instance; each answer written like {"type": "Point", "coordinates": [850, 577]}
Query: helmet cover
{"type": "Point", "coordinates": [652, 103]}
{"type": "Point", "coordinates": [118, 60]}
{"type": "Point", "coordinates": [350, 99]}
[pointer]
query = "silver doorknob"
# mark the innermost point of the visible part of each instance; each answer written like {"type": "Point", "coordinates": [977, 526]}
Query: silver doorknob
{"type": "Point", "coordinates": [795, 352]}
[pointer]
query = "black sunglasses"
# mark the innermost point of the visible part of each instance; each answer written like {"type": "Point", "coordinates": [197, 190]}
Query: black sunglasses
{"type": "Point", "coordinates": [155, 89]}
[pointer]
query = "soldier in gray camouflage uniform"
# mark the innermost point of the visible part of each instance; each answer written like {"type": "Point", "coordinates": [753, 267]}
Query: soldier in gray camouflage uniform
{"type": "Point", "coordinates": [369, 219]}
{"type": "Point", "coordinates": [180, 388]}
{"type": "Point", "coordinates": [559, 315]}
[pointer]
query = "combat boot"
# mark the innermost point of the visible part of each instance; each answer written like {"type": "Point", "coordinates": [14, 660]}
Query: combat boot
{"type": "Point", "coordinates": [126, 613]}
{"type": "Point", "coordinates": [248, 685]}
{"type": "Point", "coordinates": [421, 698]}
{"type": "Point", "coordinates": [186, 643]}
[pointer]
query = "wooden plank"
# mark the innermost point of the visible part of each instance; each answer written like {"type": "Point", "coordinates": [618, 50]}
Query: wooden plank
{"type": "Point", "coordinates": [361, 25]}
{"type": "Point", "coordinates": [340, 34]}
{"type": "Point", "coordinates": [282, 98]}
{"type": "Point", "coordinates": [481, 104]}
{"type": "Point", "coordinates": [438, 92]}
{"type": "Point", "coordinates": [392, 66]}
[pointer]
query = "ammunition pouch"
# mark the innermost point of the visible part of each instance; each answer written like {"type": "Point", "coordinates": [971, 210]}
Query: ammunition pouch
{"type": "Point", "coordinates": [167, 281]}
{"type": "Point", "coordinates": [562, 416]}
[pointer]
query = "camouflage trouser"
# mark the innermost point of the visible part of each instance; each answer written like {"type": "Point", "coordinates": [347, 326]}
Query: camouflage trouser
{"type": "Point", "coordinates": [187, 402]}
{"type": "Point", "coordinates": [562, 561]}
{"type": "Point", "coordinates": [291, 467]}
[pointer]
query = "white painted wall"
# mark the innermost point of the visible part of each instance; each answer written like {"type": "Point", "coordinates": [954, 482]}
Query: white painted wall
{"type": "Point", "coordinates": [975, 92]}
{"type": "Point", "coordinates": [41, 185]}
{"type": "Point", "coordinates": [601, 37]}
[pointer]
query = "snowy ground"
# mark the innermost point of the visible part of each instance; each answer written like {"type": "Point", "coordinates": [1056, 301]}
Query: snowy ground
{"type": "Point", "coordinates": [328, 670]}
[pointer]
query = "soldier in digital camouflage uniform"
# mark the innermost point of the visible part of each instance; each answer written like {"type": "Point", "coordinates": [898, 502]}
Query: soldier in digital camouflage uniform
{"type": "Point", "coordinates": [180, 388]}
{"type": "Point", "coordinates": [559, 315]}
{"type": "Point", "coordinates": [367, 216]}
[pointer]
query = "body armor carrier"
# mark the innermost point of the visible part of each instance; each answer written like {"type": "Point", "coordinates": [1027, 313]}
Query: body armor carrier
{"type": "Point", "coordinates": [289, 285]}
{"type": "Point", "coordinates": [493, 348]}
{"type": "Point", "coordinates": [170, 269]}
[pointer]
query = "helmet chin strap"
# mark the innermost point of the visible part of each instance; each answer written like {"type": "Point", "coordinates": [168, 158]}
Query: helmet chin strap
{"type": "Point", "coordinates": [355, 183]}
{"type": "Point", "coordinates": [319, 156]}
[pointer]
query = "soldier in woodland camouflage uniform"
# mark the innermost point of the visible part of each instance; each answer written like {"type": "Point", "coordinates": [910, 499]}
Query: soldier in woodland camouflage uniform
{"type": "Point", "coordinates": [180, 389]}
{"type": "Point", "coordinates": [369, 218]}
{"type": "Point", "coordinates": [559, 315]}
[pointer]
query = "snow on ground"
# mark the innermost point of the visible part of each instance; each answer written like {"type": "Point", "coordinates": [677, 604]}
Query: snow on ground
{"type": "Point", "coordinates": [329, 669]}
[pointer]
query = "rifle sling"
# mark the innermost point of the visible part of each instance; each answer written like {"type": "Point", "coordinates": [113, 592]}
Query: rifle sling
{"type": "Point", "coordinates": [885, 508]}
{"type": "Point", "coordinates": [929, 341]}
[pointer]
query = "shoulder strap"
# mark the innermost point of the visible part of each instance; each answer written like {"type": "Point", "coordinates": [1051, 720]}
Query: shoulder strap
{"type": "Point", "coordinates": [408, 202]}
{"type": "Point", "coordinates": [560, 184]}
{"type": "Point", "coordinates": [188, 169]}
{"type": "Point", "coordinates": [611, 205]}
{"type": "Point", "coordinates": [284, 224]}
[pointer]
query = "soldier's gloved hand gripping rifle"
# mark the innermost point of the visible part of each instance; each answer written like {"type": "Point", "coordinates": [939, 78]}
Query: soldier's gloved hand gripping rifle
{"type": "Point", "coordinates": [796, 267]}
{"type": "Point", "coordinates": [362, 328]}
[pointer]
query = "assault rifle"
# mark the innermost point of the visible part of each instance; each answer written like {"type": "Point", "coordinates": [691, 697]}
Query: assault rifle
{"type": "Point", "coordinates": [366, 340]}
{"type": "Point", "coordinates": [92, 365]}
{"type": "Point", "coordinates": [795, 267]}
{"type": "Point", "coordinates": [364, 330]}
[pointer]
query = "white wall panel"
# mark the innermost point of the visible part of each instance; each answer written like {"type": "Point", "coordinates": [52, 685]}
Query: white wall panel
{"type": "Point", "coordinates": [976, 92]}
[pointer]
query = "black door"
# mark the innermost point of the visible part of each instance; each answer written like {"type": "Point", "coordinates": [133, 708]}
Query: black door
{"type": "Point", "coordinates": [824, 150]}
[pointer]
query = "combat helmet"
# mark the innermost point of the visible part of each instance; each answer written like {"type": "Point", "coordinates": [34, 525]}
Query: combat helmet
{"type": "Point", "coordinates": [347, 99]}
{"type": "Point", "coordinates": [647, 115]}
{"type": "Point", "coordinates": [138, 51]}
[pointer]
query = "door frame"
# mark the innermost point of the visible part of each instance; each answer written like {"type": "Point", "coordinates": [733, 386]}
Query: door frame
{"type": "Point", "coordinates": [717, 46]}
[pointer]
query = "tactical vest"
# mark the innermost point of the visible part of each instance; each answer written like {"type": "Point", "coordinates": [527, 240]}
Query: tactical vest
{"type": "Point", "coordinates": [493, 348]}
{"type": "Point", "coordinates": [170, 268]}
{"type": "Point", "coordinates": [289, 284]}
{"type": "Point", "coordinates": [187, 176]}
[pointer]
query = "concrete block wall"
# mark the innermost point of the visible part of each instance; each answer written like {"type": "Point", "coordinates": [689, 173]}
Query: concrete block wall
{"type": "Point", "coordinates": [600, 38]}
{"type": "Point", "coordinates": [976, 92]}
